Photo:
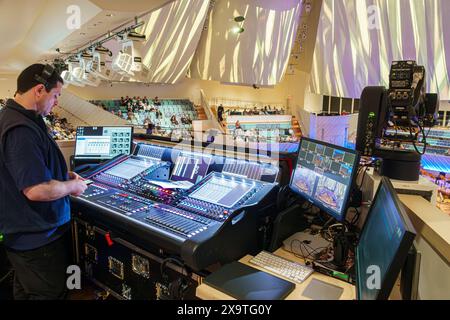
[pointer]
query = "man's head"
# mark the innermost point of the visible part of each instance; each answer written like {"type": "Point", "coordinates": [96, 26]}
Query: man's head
{"type": "Point", "coordinates": [38, 88]}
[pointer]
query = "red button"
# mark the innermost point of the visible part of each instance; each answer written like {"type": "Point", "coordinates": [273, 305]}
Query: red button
{"type": "Point", "coordinates": [108, 239]}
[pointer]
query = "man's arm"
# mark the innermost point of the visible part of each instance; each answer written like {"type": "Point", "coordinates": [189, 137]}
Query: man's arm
{"type": "Point", "coordinates": [26, 164]}
{"type": "Point", "coordinates": [54, 190]}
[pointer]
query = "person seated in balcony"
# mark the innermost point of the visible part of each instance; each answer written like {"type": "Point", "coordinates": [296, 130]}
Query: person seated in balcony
{"type": "Point", "coordinates": [174, 120]}
{"type": "Point", "coordinates": [345, 113]}
{"type": "Point", "coordinates": [149, 126]}
{"type": "Point", "coordinates": [145, 101]}
{"type": "Point", "coordinates": [441, 178]}
{"type": "Point", "coordinates": [157, 128]}
{"type": "Point", "coordinates": [238, 131]}
{"type": "Point", "coordinates": [183, 119]}
{"type": "Point", "coordinates": [156, 101]}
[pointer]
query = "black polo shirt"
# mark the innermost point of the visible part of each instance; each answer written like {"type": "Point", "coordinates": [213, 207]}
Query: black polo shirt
{"type": "Point", "coordinates": [29, 157]}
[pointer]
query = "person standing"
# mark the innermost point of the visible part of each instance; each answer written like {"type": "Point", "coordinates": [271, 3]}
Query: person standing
{"type": "Point", "coordinates": [35, 186]}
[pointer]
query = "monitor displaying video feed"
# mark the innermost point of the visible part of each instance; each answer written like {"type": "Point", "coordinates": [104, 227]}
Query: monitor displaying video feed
{"type": "Point", "coordinates": [103, 143]}
{"type": "Point", "coordinates": [324, 175]}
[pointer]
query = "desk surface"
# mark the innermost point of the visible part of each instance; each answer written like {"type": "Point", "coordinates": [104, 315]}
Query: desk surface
{"type": "Point", "coordinates": [206, 292]}
{"type": "Point", "coordinates": [430, 223]}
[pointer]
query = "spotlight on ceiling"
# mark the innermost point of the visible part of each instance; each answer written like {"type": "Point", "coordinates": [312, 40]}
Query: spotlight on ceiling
{"type": "Point", "coordinates": [135, 36]}
{"type": "Point", "coordinates": [86, 55]}
{"type": "Point", "coordinates": [239, 19]}
{"type": "Point", "coordinates": [101, 49]}
{"type": "Point", "coordinates": [237, 30]}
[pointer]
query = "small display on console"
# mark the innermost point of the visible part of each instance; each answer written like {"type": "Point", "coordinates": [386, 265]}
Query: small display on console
{"type": "Point", "coordinates": [222, 191]}
{"type": "Point", "coordinates": [191, 167]}
{"type": "Point", "coordinates": [130, 168]}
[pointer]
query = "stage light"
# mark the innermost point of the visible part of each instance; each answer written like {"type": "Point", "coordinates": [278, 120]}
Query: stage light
{"type": "Point", "coordinates": [237, 30]}
{"type": "Point", "coordinates": [101, 49]}
{"type": "Point", "coordinates": [239, 19]}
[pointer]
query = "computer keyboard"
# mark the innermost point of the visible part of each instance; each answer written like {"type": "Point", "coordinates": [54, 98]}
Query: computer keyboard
{"type": "Point", "coordinates": [282, 267]}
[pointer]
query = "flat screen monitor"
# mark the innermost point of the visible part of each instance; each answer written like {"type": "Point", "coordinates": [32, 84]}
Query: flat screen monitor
{"type": "Point", "coordinates": [383, 246]}
{"type": "Point", "coordinates": [324, 175]}
{"type": "Point", "coordinates": [191, 167]}
{"type": "Point", "coordinates": [103, 143]}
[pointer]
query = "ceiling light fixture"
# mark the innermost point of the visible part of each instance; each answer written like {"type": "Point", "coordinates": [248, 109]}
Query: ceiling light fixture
{"type": "Point", "coordinates": [133, 35]}
{"type": "Point", "coordinates": [237, 30]}
{"type": "Point", "coordinates": [120, 35]}
{"type": "Point", "coordinates": [101, 49]}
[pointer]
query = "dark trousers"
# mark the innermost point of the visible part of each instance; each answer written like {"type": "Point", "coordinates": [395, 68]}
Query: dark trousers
{"type": "Point", "coordinates": [40, 274]}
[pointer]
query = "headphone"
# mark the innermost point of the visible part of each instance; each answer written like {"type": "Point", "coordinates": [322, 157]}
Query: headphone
{"type": "Point", "coordinates": [46, 74]}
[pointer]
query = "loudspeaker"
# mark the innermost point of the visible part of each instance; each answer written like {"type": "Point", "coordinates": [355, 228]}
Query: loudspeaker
{"type": "Point", "coordinates": [372, 116]}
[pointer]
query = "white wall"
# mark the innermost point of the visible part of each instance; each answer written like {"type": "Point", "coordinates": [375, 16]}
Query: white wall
{"type": "Point", "coordinates": [291, 88]}
{"type": "Point", "coordinates": [7, 85]}
{"type": "Point", "coordinates": [313, 102]}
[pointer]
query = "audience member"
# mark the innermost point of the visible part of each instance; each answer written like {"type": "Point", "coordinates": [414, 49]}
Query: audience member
{"type": "Point", "coordinates": [220, 113]}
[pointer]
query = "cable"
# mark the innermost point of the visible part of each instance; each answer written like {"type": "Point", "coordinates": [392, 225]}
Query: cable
{"type": "Point", "coordinates": [310, 251]}
{"type": "Point", "coordinates": [176, 261]}
{"type": "Point", "coordinates": [6, 276]}
{"type": "Point", "coordinates": [356, 217]}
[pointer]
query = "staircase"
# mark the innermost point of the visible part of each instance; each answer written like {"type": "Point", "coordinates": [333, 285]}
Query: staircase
{"type": "Point", "coordinates": [201, 112]}
{"type": "Point", "coordinates": [79, 112]}
{"type": "Point", "coordinates": [296, 127]}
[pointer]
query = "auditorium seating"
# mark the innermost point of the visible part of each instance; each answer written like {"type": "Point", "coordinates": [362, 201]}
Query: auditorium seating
{"type": "Point", "coordinates": [142, 112]}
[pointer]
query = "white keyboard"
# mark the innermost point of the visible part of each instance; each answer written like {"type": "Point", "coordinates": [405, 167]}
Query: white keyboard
{"type": "Point", "coordinates": [282, 267]}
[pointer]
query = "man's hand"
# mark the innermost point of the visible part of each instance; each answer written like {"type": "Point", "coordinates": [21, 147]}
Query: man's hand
{"type": "Point", "coordinates": [78, 187]}
{"type": "Point", "coordinates": [73, 176]}
{"type": "Point", "coordinates": [54, 190]}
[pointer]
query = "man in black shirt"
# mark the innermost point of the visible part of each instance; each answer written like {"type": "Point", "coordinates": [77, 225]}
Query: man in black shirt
{"type": "Point", "coordinates": [220, 111]}
{"type": "Point", "coordinates": [35, 187]}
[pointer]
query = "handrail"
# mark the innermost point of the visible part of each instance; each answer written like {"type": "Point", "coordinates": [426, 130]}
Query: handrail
{"type": "Point", "coordinates": [209, 114]}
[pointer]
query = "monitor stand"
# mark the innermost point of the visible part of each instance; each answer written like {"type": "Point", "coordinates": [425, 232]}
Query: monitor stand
{"type": "Point", "coordinates": [287, 223]}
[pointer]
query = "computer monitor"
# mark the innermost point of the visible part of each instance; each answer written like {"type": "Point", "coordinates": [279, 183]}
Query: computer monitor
{"type": "Point", "coordinates": [103, 143]}
{"type": "Point", "coordinates": [383, 246]}
{"type": "Point", "coordinates": [191, 167]}
{"type": "Point", "coordinates": [324, 175]}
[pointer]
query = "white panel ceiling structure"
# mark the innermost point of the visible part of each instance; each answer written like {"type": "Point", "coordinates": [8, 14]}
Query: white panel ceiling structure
{"type": "Point", "coordinates": [358, 39]}
{"type": "Point", "coordinates": [258, 55]}
{"type": "Point", "coordinates": [31, 30]}
{"type": "Point", "coordinates": [183, 37]}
